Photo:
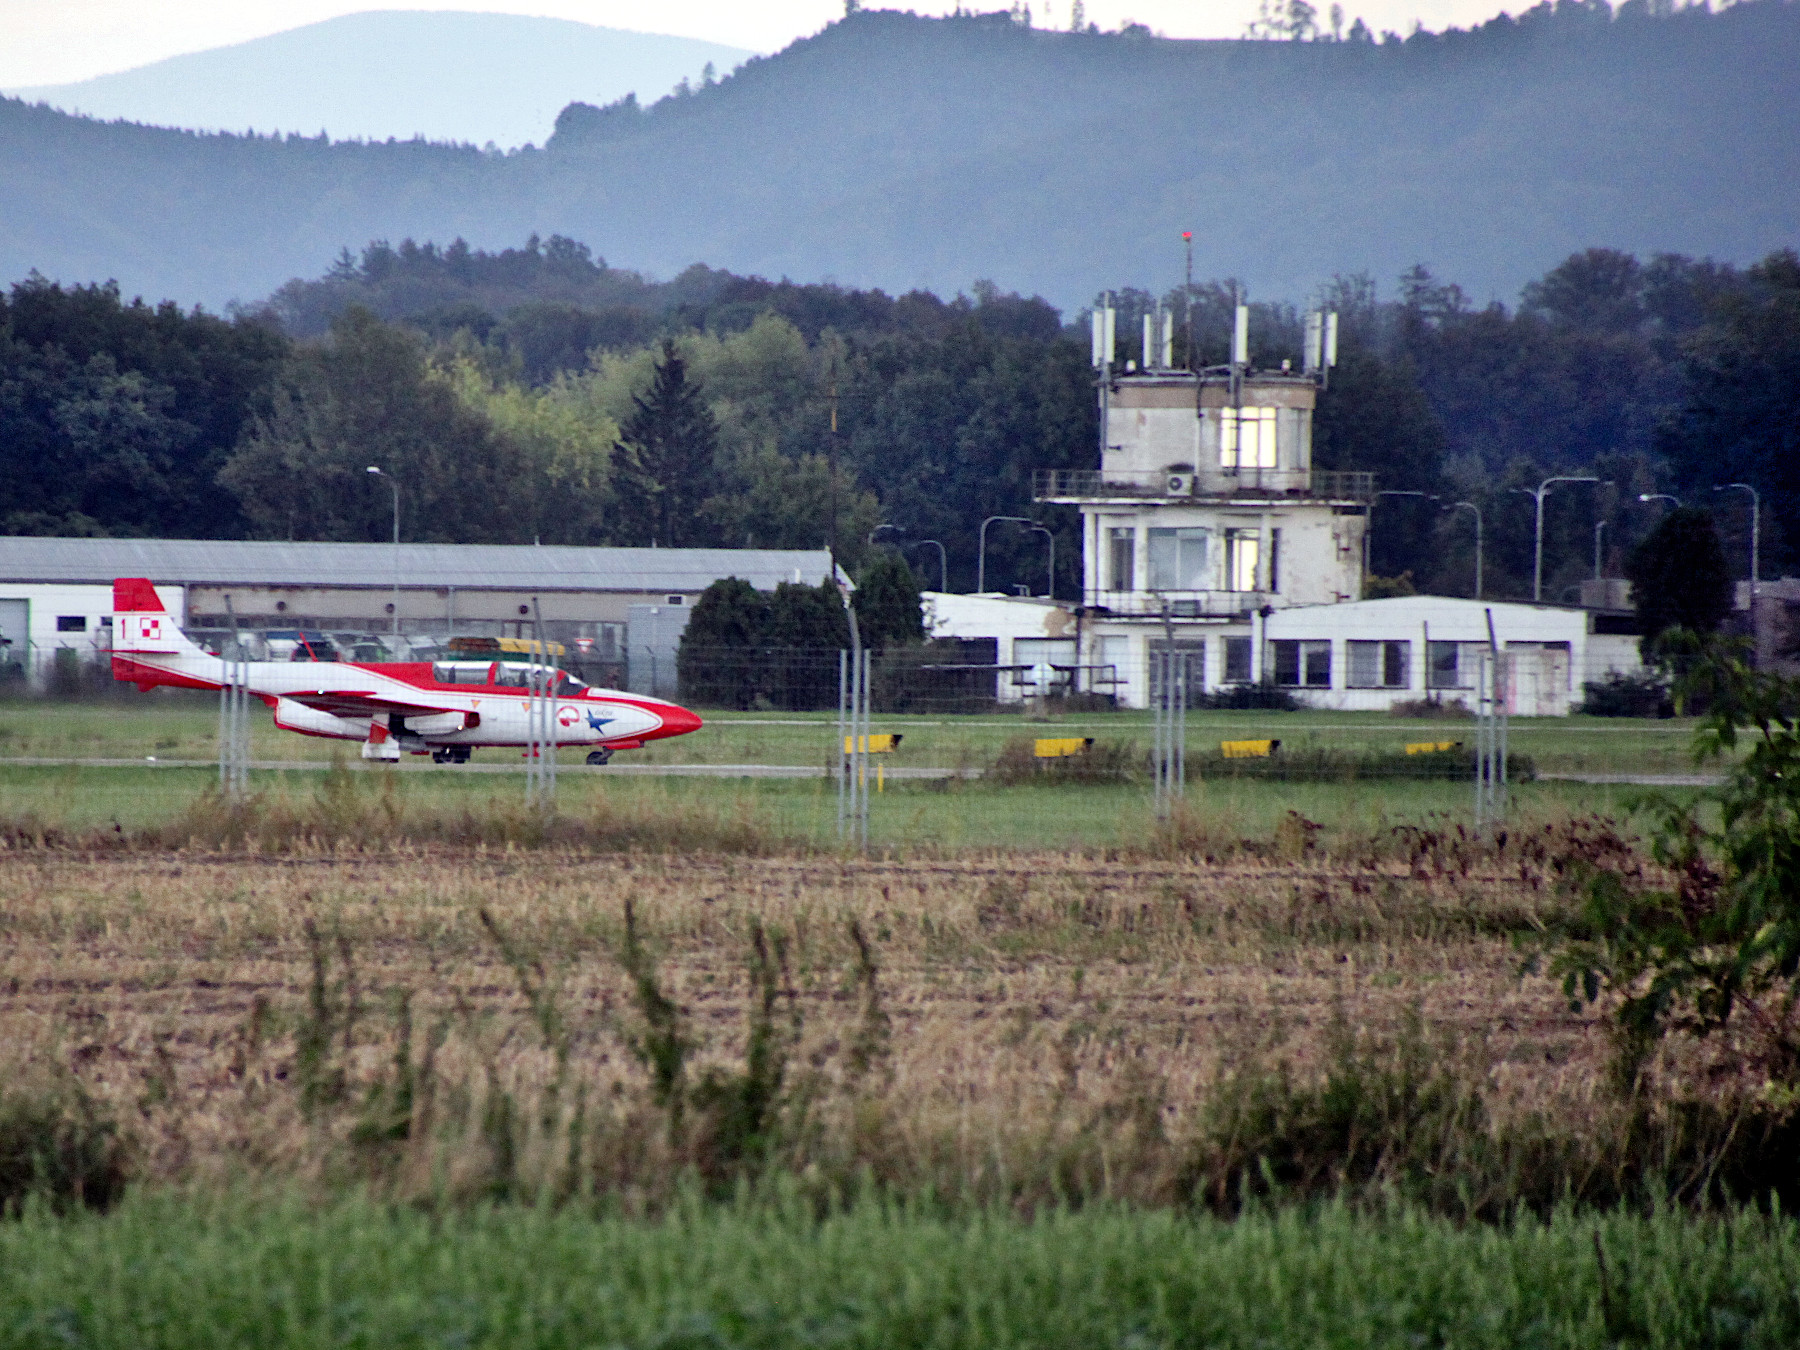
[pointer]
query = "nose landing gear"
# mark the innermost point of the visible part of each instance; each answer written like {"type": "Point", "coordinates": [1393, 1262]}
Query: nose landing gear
{"type": "Point", "coordinates": [598, 757]}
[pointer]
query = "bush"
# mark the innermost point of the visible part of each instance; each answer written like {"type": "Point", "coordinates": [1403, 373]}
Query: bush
{"type": "Point", "coordinates": [1621, 695]}
{"type": "Point", "coordinates": [1432, 708]}
{"type": "Point", "coordinates": [1246, 698]}
{"type": "Point", "coordinates": [58, 1145]}
{"type": "Point", "coordinates": [1102, 762]}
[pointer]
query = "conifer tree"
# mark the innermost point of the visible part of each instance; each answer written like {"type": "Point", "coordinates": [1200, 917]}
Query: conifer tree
{"type": "Point", "coordinates": [663, 463]}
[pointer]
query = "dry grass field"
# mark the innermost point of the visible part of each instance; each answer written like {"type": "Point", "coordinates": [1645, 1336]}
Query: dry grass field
{"type": "Point", "coordinates": [1019, 1028]}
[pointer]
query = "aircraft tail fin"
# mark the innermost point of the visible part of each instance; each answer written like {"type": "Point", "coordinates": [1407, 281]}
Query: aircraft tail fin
{"type": "Point", "coordinates": [141, 623]}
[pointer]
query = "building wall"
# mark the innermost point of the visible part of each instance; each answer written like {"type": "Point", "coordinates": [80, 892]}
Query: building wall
{"type": "Point", "coordinates": [44, 604]}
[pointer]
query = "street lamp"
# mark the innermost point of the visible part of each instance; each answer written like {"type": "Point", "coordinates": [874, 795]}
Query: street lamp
{"type": "Point", "coordinates": [1050, 576]}
{"type": "Point", "coordinates": [1458, 506]}
{"type": "Point", "coordinates": [943, 562]}
{"type": "Point", "coordinates": [1538, 494]}
{"type": "Point", "coordinates": [1659, 497]}
{"type": "Point", "coordinates": [1755, 542]}
{"type": "Point", "coordinates": [389, 478]}
{"type": "Point", "coordinates": [981, 549]}
{"type": "Point", "coordinates": [1599, 534]}
{"type": "Point", "coordinates": [1369, 523]}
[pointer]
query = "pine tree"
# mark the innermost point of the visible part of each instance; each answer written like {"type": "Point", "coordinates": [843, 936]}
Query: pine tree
{"type": "Point", "coordinates": [887, 602]}
{"type": "Point", "coordinates": [663, 463]}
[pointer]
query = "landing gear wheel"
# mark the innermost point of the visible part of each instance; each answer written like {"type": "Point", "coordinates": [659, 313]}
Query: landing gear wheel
{"type": "Point", "coordinates": [453, 754]}
{"type": "Point", "coordinates": [598, 757]}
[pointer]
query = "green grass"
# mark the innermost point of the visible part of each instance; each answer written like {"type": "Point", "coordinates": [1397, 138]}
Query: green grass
{"type": "Point", "coordinates": [162, 1271]}
{"type": "Point", "coordinates": [952, 816]}
{"type": "Point", "coordinates": [171, 725]}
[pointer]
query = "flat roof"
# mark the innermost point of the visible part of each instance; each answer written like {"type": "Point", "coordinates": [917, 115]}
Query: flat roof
{"type": "Point", "coordinates": [549, 567]}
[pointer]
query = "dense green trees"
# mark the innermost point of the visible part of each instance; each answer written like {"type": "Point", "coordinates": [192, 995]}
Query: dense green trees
{"type": "Point", "coordinates": [598, 408]}
{"type": "Point", "coordinates": [368, 397]}
{"type": "Point", "coordinates": [115, 418]}
{"type": "Point", "coordinates": [1679, 578]}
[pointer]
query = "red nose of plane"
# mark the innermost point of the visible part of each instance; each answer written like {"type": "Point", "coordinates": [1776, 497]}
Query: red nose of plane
{"type": "Point", "coordinates": [679, 721]}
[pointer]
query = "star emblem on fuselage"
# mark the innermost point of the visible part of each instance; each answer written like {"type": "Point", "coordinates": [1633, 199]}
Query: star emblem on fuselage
{"type": "Point", "coordinates": [595, 721]}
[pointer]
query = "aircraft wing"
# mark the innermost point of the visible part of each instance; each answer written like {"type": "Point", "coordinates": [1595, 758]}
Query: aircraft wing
{"type": "Point", "coordinates": [360, 703]}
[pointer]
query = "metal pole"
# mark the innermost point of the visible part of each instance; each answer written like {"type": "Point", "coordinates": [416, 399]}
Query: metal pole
{"type": "Point", "coordinates": [981, 548]}
{"type": "Point", "coordinates": [1457, 506]}
{"type": "Point", "coordinates": [841, 748]}
{"type": "Point", "coordinates": [1599, 534]}
{"type": "Point", "coordinates": [1050, 575]}
{"type": "Point", "coordinates": [1755, 550]}
{"type": "Point", "coordinates": [547, 684]}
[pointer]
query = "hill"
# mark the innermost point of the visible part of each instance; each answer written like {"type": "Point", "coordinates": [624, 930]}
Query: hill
{"type": "Point", "coordinates": [896, 151]}
{"type": "Point", "coordinates": [474, 78]}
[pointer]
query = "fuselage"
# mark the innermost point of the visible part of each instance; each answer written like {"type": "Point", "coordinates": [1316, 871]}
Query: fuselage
{"type": "Point", "coordinates": [421, 706]}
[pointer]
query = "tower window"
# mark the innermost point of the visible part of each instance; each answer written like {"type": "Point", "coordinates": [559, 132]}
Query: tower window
{"type": "Point", "coordinates": [1247, 438]}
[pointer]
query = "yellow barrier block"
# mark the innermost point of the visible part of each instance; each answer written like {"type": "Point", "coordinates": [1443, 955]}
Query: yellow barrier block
{"type": "Point", "coordinates": [883, 743]}
{"type": "Point", "coordinates": [1432, 747]}
{"type": "Point", "coordinates": [1248, 749]}
{"type": "Point", "coordinates": [1060, 747]}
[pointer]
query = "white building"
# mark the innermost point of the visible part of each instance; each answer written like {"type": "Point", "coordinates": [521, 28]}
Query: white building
{"type": "Point", "coordinates": [56, 594]}
{"type": "Point", "coordinates": [1027, 634]}
{"type": "Point", "coordinates": [1206, 530]}
{"type": "Point", "coordinates": [1368, 654]}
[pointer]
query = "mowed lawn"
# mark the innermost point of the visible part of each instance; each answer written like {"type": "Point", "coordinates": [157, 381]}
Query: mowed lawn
{"type": "Point", "coordinates": [175, 725]}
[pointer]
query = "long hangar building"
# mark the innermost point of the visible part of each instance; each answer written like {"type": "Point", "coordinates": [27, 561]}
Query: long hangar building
{"type": "Point", "coordinates": [623, 605]}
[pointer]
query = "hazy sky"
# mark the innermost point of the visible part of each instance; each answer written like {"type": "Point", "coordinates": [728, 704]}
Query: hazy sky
{"type": "Point", "coordinates": [57, 41]}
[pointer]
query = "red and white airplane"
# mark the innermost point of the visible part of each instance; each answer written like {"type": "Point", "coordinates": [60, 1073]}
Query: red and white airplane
{"type": "Point", "coordinates": [441, 708]}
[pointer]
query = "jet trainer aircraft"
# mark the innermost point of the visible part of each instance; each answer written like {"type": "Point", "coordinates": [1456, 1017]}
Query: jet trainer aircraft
{"type": "Point", "coordinates": [441, 708]}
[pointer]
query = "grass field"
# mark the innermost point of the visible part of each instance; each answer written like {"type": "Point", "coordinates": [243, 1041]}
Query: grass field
{"type": "Point", "coordinates": [165, 1275]}
{"type": "Point", "coordinates": [172, 725]}
{"type": "Point", "coordinates": [388, 1060]}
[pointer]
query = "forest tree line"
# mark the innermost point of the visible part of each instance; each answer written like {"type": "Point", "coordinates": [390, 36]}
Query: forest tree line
{"type": "Point", "coordinates": [535, 394]}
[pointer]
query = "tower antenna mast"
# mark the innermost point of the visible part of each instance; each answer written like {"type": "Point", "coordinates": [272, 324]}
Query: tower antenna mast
{"type": "Point", "coordinates": [1187, 300]}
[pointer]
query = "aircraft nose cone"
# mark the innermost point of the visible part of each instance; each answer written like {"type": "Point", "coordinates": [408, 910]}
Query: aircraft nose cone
{"type": "Point", "coordinates": [679, 721]}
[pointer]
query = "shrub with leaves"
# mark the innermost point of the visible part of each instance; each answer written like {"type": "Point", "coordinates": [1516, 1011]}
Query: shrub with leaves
{"type": "Point", "coordinates": [1720, 948]}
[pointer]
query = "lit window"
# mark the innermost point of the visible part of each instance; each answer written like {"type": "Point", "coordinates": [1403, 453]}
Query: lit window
{"type": "Point", "coordinates": [1122, 548]}
{"type": "Point", "coordinates": [1178, 559]}
{"type": "Point", "coordinates": [1243, 552]}
{"type": "Point", "coordinates": [1380, 665]}
{"type": "Point", "coordinates": [1247, 438]}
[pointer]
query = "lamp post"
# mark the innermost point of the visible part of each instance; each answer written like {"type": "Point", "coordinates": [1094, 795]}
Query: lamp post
{"type": "Point", "coordinates": [1755, 543]}
{"type": "Point", "coordinates": [1458, 506]}
{"type": "Point", "coordinates": [389, 478]}
{"type": "Point", "coordinates": [1659, 497]}
{"type": "Point", "coordinates": [943, 562]}
{"type": "Point", "coordinates": [1538, 494]}
{"type": "Point", "coordinates": [1369, 523]}
{"type": "Point", "coordinates": [1599, 534]}
{"type": "Point", "coordinates": [981, 549]}
{"type": "Point", "coordinates": [1050, 575]}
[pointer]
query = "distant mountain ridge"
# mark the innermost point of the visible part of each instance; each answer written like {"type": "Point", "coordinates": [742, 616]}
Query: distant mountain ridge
{"type": "Point", "coordinates": [447, 76]}
{"type": "Point", "coordinates": [902, 152]}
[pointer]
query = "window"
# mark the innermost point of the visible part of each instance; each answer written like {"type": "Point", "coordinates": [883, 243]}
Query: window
{"type": "Point", "coordinates": [1178, 559]}
{"type": "Point", "coordinates": [1446, 670]}
{"type": "Point", "coordinates": [460, 672]}
{"type": "Point", "coordinates": [1237, 660]}
{"type": "Point", "coordinates": [1121, 550]}
{"type": "Point", "coordinates": [1190, 669]}
{"type": "Point", "coordinates": [1247, 438]}
{"type": "Point", "coordinates": [1274, 560]}
{"type": "Point", "coordinates": [1380, 665]}
{"type": "Point", "coordinates": [71, 623]}
{"type": "Point", "coordinates": [1303, 664]}
{"type": "Point", "coordinates": [1114, 653]}
{"type": "Point", "coordinates": [1033, 652]}
{"type": "Point", "coordinates": [1243, 551]}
